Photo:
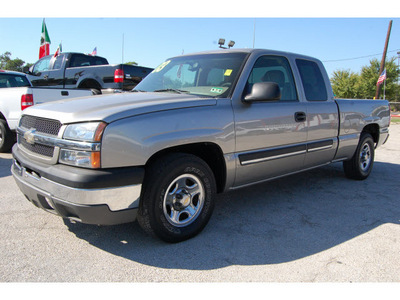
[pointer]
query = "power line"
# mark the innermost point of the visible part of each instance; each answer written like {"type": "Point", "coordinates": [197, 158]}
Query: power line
{"type": "Point", "coordinates": [354, 58]}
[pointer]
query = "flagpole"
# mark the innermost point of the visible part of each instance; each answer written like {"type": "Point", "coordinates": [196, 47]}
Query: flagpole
{"type": "Point", "coordinates": [384, 89]}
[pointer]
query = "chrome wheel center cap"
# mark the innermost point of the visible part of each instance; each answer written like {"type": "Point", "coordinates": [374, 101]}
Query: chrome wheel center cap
{"type": "Point", "coordinates": [181, 200]}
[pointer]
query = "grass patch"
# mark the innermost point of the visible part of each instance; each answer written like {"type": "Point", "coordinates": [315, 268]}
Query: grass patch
{"type": "Point", "coordinates": [396, 120]}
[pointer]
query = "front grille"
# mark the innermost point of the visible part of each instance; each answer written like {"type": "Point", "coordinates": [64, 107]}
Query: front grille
{"type": "Point", "coordinates": [37, 148]}
{"type": "Point", "coordinates": [42, 125]}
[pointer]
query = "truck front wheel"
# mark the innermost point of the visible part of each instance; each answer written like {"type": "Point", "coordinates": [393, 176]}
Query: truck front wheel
{"type": "Point", "coordinates": [178, 197]}
{"type": "Point", "coordinates": [7, 138]}
{"type": "Point", "coordinates": [360, 165]}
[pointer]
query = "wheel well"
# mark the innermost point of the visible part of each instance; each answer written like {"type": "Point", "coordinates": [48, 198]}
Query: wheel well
{"type": "Point", "coordinates": [209, 152]}
{"type": "Point", "coordinates": [373, 130]}
{"type": "Point", "coordinates": [4, 119]}
{"type": "Point", "coordinates": [89, 84]}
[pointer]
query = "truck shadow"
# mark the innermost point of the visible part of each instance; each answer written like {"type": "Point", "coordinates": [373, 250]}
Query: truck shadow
{"type": "Point", "coordinates": [270, 223]}
{"type": "Point", "coordinates": [5, 167]}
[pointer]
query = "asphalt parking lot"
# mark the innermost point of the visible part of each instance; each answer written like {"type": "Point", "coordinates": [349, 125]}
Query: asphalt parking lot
{"type": "Point", "coordinates": [316, 226]}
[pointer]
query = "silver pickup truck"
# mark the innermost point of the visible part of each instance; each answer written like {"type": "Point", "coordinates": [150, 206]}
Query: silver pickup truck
{"type": "Point", "coordinates": [198, 125]}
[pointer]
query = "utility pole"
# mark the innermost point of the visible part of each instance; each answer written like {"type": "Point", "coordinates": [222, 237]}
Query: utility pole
{"type": "Point", "coordinates": [398, 76]}
{"type": "Point", "coordinates": [378, 88]}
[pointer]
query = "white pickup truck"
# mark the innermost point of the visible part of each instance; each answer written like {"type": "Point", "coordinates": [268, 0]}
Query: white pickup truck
{"type": "Point", "coordinates": [16, 94]}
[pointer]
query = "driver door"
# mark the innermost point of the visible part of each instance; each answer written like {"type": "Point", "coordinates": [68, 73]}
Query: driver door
{"type": "Point", "coordinates": [271, 136]}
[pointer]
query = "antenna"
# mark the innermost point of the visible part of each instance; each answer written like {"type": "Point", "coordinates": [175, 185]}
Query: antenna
{"type": "Point", "coordinates": [122, 48]}
{"type": "Point", "coordinates": [254, 33]}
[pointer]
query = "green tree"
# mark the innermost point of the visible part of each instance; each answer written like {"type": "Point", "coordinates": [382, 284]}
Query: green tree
{"type": "Point", "coordinates": [370, 75]}
{"type": "Point", "coordinates": [345, 84]}
{"type": "Point", "coordinates": [132, 63]}
{"type": "Point", "coordinates": [6, 63]}
{"type": "Point", "coordinates": [4, 58]}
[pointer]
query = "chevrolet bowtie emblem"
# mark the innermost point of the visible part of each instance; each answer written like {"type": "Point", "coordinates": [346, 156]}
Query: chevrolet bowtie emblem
{"type": "Point", "coordinates": [29, 136]}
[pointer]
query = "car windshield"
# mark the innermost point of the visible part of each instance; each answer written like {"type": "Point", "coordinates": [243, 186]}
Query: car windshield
{"type": "Point", "coordinates": [203, 75]}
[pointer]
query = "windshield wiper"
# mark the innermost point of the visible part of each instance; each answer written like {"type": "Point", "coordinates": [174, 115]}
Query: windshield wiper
{"type": "Point", "coordinates": [171, 90]}
{"type": "Point", "coordinates": [138, 91]}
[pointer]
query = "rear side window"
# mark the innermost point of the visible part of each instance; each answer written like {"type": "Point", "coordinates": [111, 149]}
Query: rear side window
{"type": "Point", "coordinates": [313, 82]}
{"type": "Point", "coordinates": [78, 60]}
{"type": "Point", "coordinates": [58, 63]}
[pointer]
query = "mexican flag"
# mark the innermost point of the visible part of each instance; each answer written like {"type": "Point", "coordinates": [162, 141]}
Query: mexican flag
{"type": "Point", "coordinates": [58, 51]}
{"type": "Point", "coordinates": [44, 42]}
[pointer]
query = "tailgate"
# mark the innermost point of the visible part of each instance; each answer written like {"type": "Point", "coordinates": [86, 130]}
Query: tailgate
{"type": "Point", "coordinates": [41, 95]}
{"type": "Point", "coordinates": [10, 104]}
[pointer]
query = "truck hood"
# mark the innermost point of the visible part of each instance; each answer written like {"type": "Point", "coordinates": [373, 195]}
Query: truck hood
{"type": "Point", "coordinates": [113, 107]}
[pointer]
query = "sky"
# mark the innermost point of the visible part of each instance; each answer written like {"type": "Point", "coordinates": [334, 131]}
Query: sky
{"type": "Point", "coordinates": [150, 34]}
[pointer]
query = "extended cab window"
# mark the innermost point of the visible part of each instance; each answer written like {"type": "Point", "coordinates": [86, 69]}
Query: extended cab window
{"type": "Point", "coordinates": [78, 60]}
{"type": "Point", "coordinates": [313, 82]}
{"type": "Point", "coordinates": [274, 69]}
{"type": "Point", "coordinates": [58, 62]}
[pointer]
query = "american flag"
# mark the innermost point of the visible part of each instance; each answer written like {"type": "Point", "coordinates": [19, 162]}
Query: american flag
{"type": "Point", "coordinates": [381, 78]}
{"type": "Point", "coordinates": [94, 52]}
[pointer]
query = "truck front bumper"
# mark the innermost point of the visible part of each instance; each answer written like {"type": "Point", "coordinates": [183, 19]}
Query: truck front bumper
{"type": "Point", "coordinates": [102, 197]}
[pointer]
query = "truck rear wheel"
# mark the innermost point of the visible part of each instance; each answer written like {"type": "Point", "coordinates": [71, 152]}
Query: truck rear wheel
{"type": "Point", "coordinates": [360, 165]}
{"type": "Point", "coordinates": [91, 84]}
{"type": "Point", "coordinates": [178, 197]}
{"type": "Point", "coordinates": [7, 138]}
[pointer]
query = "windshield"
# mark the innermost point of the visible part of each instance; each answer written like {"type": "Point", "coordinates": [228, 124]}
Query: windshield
{"type": "Point", "coordinates": [203, 75]}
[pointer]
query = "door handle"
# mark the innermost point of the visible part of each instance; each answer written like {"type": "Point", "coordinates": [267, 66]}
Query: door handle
{"type": "Point", "coordinates": [46, 77]}
{"type": "Point", "coordinates": [300, 116]}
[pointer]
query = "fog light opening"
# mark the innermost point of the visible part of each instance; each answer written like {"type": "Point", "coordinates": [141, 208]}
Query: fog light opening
{"type": "Point", "coordinates": [49, 202]}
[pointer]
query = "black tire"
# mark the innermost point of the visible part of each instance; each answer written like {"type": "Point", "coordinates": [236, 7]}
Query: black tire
{"type": "Point", "coordinates": [177, 200]}
{"type": "Point", "coordinates": [360, 165]}
{"type": "Point", "coordinates": [91, 84]}
{"type": "Point", "coordinates": [7, 138]}
{"type": "Point", "coordinates": [96, 91]}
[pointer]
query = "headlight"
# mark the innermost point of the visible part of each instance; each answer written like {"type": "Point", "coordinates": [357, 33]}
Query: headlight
{"type": "Point", "coordinates": [84, 131]}
{"type": "Point", "coordinates": [87, 136]}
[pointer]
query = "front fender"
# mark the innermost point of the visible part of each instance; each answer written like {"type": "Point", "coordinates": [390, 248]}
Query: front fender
{"type": "Point", "coordinates": [132, 141]}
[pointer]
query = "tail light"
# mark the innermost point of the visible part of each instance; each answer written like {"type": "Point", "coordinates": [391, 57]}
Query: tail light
{"type": "Point", "coordinates": [119, 75]}
{"type": "Point", "coordinates": [26, 101]}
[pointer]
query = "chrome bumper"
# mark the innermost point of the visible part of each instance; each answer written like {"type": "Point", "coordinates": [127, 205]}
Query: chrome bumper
{"type": "Point", "coordinates": [106, 206]}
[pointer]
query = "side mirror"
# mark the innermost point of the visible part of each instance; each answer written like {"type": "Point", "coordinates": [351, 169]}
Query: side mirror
{"type": "Point", "coordinates": [27, 70]}
{"type": "Point", "coordinates": [263, 91]}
